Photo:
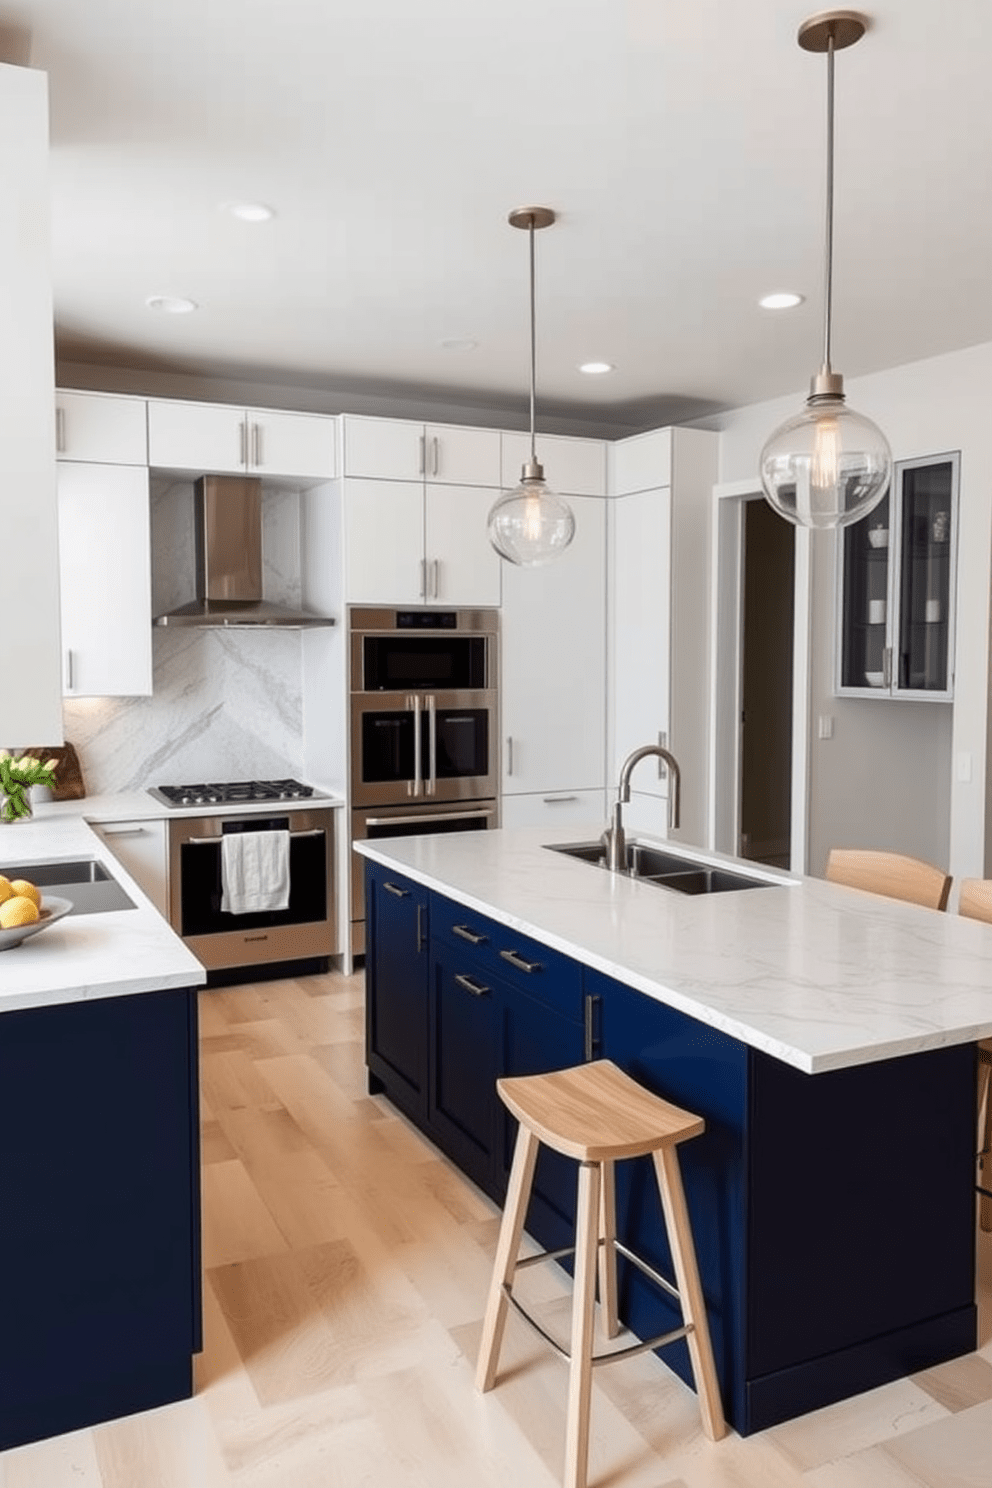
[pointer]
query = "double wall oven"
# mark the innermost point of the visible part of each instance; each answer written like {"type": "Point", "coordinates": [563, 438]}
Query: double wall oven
{"type": "Point", "coordinates": [424, 728]}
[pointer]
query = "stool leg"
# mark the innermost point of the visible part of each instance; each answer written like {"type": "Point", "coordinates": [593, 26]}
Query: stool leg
{"type": "Point", "coordinates": [607, 1250]}
{"type": "Point", "coordinates": [507, 1250]}
{"type": "Point", "coordinates": [985, 1098]}
{"type": "Point", "coordinates": [583, 1313]}
{"type": "Point", "coordinates": [669, 1175]}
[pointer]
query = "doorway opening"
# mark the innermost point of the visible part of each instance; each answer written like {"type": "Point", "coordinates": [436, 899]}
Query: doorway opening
{"type": "Point", "coordinates": [768, 566]}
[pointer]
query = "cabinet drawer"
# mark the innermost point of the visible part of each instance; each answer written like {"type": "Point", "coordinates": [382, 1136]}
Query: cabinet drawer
{"type": "Point", "coordinates": [490, 949]}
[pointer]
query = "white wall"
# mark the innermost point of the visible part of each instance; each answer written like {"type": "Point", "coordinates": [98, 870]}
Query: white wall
{"type": "Point", "coordinates": [891, 775]}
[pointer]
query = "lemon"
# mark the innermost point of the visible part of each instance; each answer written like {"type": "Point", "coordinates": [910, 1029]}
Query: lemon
{"type": "Point", "coordinates": [18, 911]}
{"type": "Point", "coordinates": [26, 889]}
{"type": "Point", "coordinates": [6, 892]}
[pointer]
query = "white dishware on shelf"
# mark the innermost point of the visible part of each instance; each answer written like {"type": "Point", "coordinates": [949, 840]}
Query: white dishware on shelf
{"type": "Point", "coordinates": [932, 611]}
{"type": "Point", "coordinates": [876, 612]}
{"type": "Point", "coordinates": [875, 679]}
{"type": "Point", "coordinates": [878, 536]}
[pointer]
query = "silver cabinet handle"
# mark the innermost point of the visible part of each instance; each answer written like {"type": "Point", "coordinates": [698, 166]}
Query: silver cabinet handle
{"type": "Point", "coordinates": [557, 800]}
{"type": "Point", "coordinates": [123, 831]}
{"type": "Point", "coordinates": [423, 578]}
{"type": "Point", "coordinates": [477, 989]}
{"type": "Point", "coordinates": [422, 466]}
{"type": "Point", "coordinates": [515, 959]}
{"type": "Point", "coordinates": [395, 890]}
{"type": "Point", "coordinates": [431, 702]}
{"type": "Point", "coordinates": [420, 927]}
{"type": "Point", "coordinates": [418, 783]}
{"type": "Point", "coordinates": [243, 442]}
{"type": "Point", "coordinates": [70, 680]}
{"type": "Point", "coordinates": [59, 431]}
{"type": "Point", "coordinates": [256, 444]}
{"type": "Point", "coordinates": [437, 577]}
{"type": "Point", "coordinates": [435, 456]}
{"type": "Point", "coordinates": [590, 1042]}
{"type": "Point", "coordinates": [509, 754]}
{"type": "Point", "coordinates": [464, 933]}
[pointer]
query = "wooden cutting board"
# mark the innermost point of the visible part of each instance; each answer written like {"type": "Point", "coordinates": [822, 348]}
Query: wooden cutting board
{"type": "Point", "coordinates": [68, 772]}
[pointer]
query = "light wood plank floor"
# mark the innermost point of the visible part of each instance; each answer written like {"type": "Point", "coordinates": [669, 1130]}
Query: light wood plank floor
{"type": "Point", "coordinates": [345, 1271]}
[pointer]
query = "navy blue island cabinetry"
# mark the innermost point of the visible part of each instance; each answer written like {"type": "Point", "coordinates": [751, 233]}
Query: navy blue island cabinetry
{"type": "Point", "coordinates": [99, 1211]}
{"type": "Point", "coordinates": [833, 1214]}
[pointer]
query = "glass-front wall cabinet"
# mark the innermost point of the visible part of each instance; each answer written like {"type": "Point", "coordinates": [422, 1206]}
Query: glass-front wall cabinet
{"type": "Point", "coordinates": [896, 591]}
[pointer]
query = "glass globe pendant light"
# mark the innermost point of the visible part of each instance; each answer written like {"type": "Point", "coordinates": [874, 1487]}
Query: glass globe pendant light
{"type": "Point", "coordinates": [828, 466]}
{"type": "Point", "coordinates": [531, 524]}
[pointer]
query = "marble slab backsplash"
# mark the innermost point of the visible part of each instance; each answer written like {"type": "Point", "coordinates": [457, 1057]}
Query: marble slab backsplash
{"type": "Point", "coordinates": [226, 704]}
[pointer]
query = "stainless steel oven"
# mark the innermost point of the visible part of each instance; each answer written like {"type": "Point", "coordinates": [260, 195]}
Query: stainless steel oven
{"type": "Point", "coordinates": [303, 931]}
{"type": "Point", "coordinates": [424, 728]}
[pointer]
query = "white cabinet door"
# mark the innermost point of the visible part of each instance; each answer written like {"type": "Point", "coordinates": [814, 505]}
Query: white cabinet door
{"type": "Point", "coordinates": [105, 568]}
{"type": "Point", "coordinates": [459, 456]}
{"type": "Point", "coordinates": [141, 847]}
{"type": "Point", "coordinates": [554, 665]}
{"type": "Point", "coordinates": [641, 463]}
{"type": "Point", "coordinates": [98, 428]}
{"type": "Point", "coordinates": [572, 467]}
{"type": "Point", "coordinates": [557, 811]}
{"type": "Point", "coordinates": [384, 542]}
{"type": "Point", "coordinates": [290, 444]}
{"type": "Point", "coordinates": [641, 610]}
{"type": "Point", "coordinates": [383, 449]}
{"type": "Point", "coordinates": [202, 437]}
{"type": "Point", "coordinates": [462, 566]}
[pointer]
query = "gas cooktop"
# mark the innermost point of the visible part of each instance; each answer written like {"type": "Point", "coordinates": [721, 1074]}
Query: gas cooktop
{"type": "Point", "coordinates": [232, 792]}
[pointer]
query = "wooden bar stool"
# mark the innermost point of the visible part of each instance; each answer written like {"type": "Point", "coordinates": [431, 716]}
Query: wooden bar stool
{"type": "Point", "coordinates": [598, 1115]}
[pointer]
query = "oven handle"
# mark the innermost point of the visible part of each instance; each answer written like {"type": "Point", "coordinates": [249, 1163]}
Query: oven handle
{"type": "Point", "coordinates": [431, 702]}
{"type": "Point", "coordinates": [426, 816]}
{"type": "Point", "coordinates": [414, 703]}
{"type": "Point", "coordinates": [193, 841]}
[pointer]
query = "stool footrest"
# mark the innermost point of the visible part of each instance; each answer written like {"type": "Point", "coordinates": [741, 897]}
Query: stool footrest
{"type": "Point", "coordinates": [640, 1347]}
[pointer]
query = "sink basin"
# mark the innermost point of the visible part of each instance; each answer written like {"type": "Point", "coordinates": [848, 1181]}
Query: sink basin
{"type": "Point", "coordinates": [666, 869]}
{"type": "Point", "coordinates": [85, 881]}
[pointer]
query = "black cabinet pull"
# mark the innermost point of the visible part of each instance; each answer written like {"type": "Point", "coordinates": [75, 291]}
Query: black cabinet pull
{"type": "Point", "coordinates": [466, 934]}
{"type": "Point", "coordinates": [395, 889]}
{"type": "Point", "coordinates": [476, 988]}
{"type": "Point", "coordinates": [515, 959]}
{"type": "Point", "coordinates": [421, 938]}
{"type": "Point", "coordinates": [591, 1036]}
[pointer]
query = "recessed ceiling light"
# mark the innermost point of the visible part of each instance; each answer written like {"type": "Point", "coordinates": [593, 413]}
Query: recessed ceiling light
{"type": "Point", "coordinates": [459, 343]}
{"type": "Point", "coordinates": [249, 211]}
{"type": "Point", "coordinates": [171, 304]}
{"type": "Point", "coordinates": [783, 300]}
{"type": "Point", "coordinates": [594, 369]}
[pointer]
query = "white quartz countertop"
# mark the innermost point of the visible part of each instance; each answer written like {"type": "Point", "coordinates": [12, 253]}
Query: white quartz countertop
{"type": "Point", "coordinates": [814, 974]}
{"type": "Point", "coordinates": [115, 954]}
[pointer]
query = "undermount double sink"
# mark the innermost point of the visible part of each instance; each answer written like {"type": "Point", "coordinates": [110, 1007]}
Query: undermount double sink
{"type": "Point", "coordinates": [84, 881]}
{"type": "Point", "coordinates": [668, 870]}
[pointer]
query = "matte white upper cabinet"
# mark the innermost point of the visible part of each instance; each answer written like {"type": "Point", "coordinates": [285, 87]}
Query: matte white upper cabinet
{"type": "Point", "coordinates": [397, 449]}
{"type": "Point", "coordinates": [553, 663]}
{"type": "Point", "coordinates": [410, 544]}
{"type": "Point", "coordinates": [105, 569]}
{"type": "Point", "coordinates": [101, 427]}
{"type": "Point", "coordinates": [572, 467]}
{"type": "Point", "coordinates": [29, 662]}
{"type": "Point", "coordinates": [215, 438]}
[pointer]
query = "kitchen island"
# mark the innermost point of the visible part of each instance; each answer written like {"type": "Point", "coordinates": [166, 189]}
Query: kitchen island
{"type": "Point", "coordinates": [825, 1035]}
{"type": "Point", "coordinates": [99, 1158]}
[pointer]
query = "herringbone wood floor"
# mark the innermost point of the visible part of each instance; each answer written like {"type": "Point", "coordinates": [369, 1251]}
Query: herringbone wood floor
{"type": "Point", "coordinates": [345, 1268]}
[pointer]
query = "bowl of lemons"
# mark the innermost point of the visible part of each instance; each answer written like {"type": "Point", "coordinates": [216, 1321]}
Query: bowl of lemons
{"type": "Point", "coordinates": [23, 911]}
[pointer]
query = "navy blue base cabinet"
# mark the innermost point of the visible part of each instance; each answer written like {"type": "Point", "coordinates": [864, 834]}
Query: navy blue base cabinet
{"type": "Point", "coordinates": [99, 1211]}
{"type": "Point", "coordinates": [833, 1214]}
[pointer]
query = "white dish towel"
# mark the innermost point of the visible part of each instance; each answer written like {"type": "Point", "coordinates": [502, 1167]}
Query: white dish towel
{"type": "Point", "coordinates": [254, 871]}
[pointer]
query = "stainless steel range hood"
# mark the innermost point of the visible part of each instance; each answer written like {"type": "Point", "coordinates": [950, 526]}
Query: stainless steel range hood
{"type": "Point", "coordinates": [228, 541]}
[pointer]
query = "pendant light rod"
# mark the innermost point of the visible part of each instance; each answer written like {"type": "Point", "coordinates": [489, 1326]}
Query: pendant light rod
{"type": "Point", "coordinates": [532, 219]}
{"type": "Point", "coordinates": [829, 32]}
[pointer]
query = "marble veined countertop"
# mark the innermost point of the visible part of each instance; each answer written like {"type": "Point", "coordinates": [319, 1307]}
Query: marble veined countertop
{"type": "Point", "coordinates": [115, 954]}
{"type": "Point", "coordinates": [814, 974]}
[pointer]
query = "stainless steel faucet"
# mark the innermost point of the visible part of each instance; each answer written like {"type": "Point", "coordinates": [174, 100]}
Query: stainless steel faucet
{"type": "Point", "coordinates": [614, 840]}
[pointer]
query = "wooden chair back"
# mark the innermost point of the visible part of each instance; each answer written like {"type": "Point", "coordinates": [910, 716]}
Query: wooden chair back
{"type": "Point", "coordinates": [976, 899]}
{"type": "Point", "coordinates": [893, 874]}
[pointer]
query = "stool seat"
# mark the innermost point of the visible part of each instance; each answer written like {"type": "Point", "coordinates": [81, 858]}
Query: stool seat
{"type": "Point", "coordinates": [596, 1113]}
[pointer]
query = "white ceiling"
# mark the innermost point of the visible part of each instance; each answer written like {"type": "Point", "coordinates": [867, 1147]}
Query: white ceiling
{"type": "Point", "coordinates": [681, 142]}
